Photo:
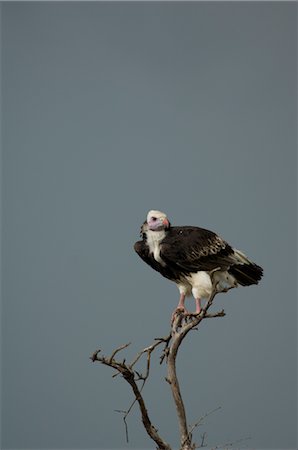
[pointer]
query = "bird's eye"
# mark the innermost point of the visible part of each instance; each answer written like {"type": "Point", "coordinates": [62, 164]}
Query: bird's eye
{"type": "Point", "coordinates": [153, 218]}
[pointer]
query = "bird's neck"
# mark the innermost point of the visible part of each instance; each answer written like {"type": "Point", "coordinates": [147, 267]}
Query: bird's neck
{"type": "Point", "coordinates": [154, 239]}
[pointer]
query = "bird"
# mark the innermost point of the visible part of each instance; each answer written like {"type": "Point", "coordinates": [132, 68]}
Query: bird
{"type": "Point", "coordinates": [196, 259]}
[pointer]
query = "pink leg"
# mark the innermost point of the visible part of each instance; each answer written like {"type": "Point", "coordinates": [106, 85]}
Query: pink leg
{"type": "Point", "coordinates": [198, 305]}
{"type": "Point", "coordinates": [181, 303]}
{"type": "Point", "coordinates": [180, 306]}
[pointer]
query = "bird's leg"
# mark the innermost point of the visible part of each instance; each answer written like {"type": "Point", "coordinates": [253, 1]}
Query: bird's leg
{"type": "Point", "coordinates": [198, 306]}
{"type": "Point", "coordinates": [180, 306]}
{"type": "Point", "coordinates": [181, 303]}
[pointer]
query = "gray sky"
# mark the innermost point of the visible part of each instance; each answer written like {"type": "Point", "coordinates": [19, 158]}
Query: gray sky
{"type": "Point", "coordinates": [112, 109]}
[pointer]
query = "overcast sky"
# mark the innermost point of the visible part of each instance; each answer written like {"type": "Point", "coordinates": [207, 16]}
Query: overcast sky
{"type": "Point", "coordinates": [112, 109]}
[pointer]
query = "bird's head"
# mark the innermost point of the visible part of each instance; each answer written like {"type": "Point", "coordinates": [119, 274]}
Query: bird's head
{"type": "Point", "coordinates": [157, 221]}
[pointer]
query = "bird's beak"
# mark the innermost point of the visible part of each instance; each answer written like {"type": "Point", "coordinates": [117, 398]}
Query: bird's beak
{"type": "Point", "coordinates": [166, 222]}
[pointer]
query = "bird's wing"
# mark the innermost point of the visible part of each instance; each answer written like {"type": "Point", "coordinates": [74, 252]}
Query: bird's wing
{"type": "Point", "coordinates": [142, 249]}
{"type": "Point", "coordinates": [193, 249]}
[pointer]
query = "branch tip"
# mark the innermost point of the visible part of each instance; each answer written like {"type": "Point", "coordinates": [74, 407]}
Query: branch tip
{"type": "Point", "coordinates": [94, 356]}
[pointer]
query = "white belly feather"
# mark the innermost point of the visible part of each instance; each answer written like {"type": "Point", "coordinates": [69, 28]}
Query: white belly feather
{"type": "Point", "coordinates": [199, 284]}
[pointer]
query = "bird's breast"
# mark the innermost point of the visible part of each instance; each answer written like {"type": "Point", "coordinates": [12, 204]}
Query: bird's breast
{"type": "Point", "coordinates": [154, 239]}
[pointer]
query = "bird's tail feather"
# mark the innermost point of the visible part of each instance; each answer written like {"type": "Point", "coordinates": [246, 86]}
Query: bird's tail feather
{"type": "Point", "coordinates": [245, 271]}
{"type": "Point", "coordinates": [247, 274]}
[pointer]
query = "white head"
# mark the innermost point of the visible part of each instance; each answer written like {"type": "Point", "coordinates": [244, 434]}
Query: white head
{"type": "Point", "coordinates": [157, 220]}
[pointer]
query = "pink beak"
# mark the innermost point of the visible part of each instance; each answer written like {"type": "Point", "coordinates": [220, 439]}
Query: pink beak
{"type": "Point", "coordinates": [166, 222]}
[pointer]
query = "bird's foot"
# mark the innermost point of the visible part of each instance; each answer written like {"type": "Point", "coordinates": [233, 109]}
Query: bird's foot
{"type": "Point", "coordinates": [179, 310]}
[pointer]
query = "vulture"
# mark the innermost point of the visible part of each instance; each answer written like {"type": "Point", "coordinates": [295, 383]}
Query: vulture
{"type": "Point", "coordinates": [194, 258]}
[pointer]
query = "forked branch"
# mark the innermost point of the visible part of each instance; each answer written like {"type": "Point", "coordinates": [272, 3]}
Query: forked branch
{"type": "Point", "coordinates": [181, 325]}
{"type": "Point", "coordinates": [131, 376]}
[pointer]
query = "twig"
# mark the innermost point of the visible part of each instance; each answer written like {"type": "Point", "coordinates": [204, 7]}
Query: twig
{"type": "Point", "coordinates": [126, 413]}
{"type": "Point", "coordinates": [122, 347]}
{"type": "Point", "coordinates": [217, 314]}
{"type": "Point", "coordinates": [150, 349]}
{"type": "Point", "coordinates": [201, 419]}
{"type": "Point", "coordinates": [165, 351]}
{"type": "Point", "coordinates": [202, 444]}
{"type": "Point", "coordinates": [125, 423]}
{"type": "Point", "coordinates": [230, 444]}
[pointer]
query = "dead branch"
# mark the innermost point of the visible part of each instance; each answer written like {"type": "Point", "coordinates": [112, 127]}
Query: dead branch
{"type": "Point", "coordinates": [182, 324]}
{"type": "Point", "coordinates": [130, 376]}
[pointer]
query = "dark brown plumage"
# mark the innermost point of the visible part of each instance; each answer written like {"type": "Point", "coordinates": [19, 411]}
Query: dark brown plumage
{"type": "Point", "coordinates": [190, 249]}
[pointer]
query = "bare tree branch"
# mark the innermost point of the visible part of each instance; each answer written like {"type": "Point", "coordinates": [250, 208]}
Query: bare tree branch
{"type": "Point", "coordinates": [182, 324]}
{"type": "Point", "coordinates": [180, 328]}
{"type": "Point", "coordinates": [129, 375]}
